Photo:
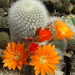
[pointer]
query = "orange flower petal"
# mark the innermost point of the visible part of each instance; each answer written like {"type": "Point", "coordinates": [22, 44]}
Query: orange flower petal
{"type": "Point", "coordinates": [43, 58]}
{"type": "Point", "coordinates": [7, 55]}
{"type": "Point", "coordinates": [42, 70]}
{"type": "Point", "coordinates": [14, 56]}
{"type": "Point", "coordinates": [53, 54]}
{"type": "Point", "coordinates": [52, 66]}
{"type": "Point", "coordinates": [5, 65]}
{"type": "Point", "coordinates": [14, 66]}
{"type": "Point", "coordinates": [62, 30]}
{"type": "Point", "coordinates": [13, 46]}
{"type": "Point", "coordinates": [9, 49]}
{"type": "Point", "coordinates": [19, 66]}
{"type": "Point", "coordinates": [10, 64]}
{"type": "Point", "coordinates": [48, 70]}
{"type": "Point", "coordinates": [7, 60]}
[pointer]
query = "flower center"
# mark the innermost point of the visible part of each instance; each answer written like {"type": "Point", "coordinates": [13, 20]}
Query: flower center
{"type": "Point", "coordinates": [17, 57]}
{"type": "Point", "coordinates": [43, 59]}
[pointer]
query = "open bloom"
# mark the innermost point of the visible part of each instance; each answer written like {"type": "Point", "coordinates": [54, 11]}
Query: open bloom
{"type": "Point", "coordinates": [14, 56]}
{"type": "Point", "coordinates": [45, 60]}
{"type": "Point", "coordinates": [44, 34]}
{"type": "Point", "coordinates": [62, 30]}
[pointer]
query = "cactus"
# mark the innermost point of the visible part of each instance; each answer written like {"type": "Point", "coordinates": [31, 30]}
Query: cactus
{"type": "Point", "coordinates": [57, 6]}
{"type": "Point", "coordinates": [1, 11]}
{"type": "Point", "coordinates": [73, 65]}
{"type": "Point", "coordinates": [64, 1]}
{"type": "Point", "coordinates": [67, 20]}
{"type": "Point", "coordinates": [61, 64]}
{"type": "Point", "coordinates": [60, 44]}
{"type": "Point", "coordinates": [4, 39]}
{"type": "Point", "coordinates": [4, 3]}
{"type": "Point", "coordinates": [70, 20]}
{"type": "Point", "coordinates": [52, 21]}
{"type": "Point", "coordinates": [25, 17]}
{"type": "Point", "coordinates": [9, 72]}
{"type": "Point", "coordinates": [71, 44]}
{"type": "Point", "coordinates": [74, 9]}
{"type": "Point", "coordinates": [59, 72]}
{"type": "Point", "coordinates": [53, 18]}
{"type": "Point", "coordinates": [67, 7]}
{"type": "Point", "coordinates": [54, 1]}
{"type": "Point", "coordinates": [4, 22]}
{"type": "Point", "coordinates": [45, 0]}
{"type": "Point", "coordinates": [73, 1]}
{"type": "Point", "coordinates": [73, 19]}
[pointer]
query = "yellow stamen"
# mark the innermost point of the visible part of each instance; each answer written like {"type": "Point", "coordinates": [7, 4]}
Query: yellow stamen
{"type": "Point", "coordinates": [17, 57]}
{"type": "Point", "coordinates": [43, 59]}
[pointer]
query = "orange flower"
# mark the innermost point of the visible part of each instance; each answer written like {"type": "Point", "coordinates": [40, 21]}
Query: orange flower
{"type": "Point", "coordinates": [62, 30]}
{"type": "Point", "coordinates": [32, 48]}
{"type": "Point", "coordinates": [45, 60]}
{"type": "Point", "coordinates": [14, 56]}
{"type": "Point", "coordinates": [43, 35]}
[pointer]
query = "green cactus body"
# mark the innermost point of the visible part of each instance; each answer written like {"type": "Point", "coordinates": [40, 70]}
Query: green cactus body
{"type": "Point", "coordinates": [67, 7]}
{"type": "Point", "coordinates": [3, 22]}
{"type": "Point", "coordinates": [4, 3]}
{"type": "Point", "coordinates": [70, 20]}
{"type": "Point", "coordinates": [67, 20]}
{"type": "Point", "coordinates": [60, 44]}
{"type": "Point", "coordinates": [57, 5]}
{"type": "Point", "coordinates": [1, 11]}
{"type": "Point", "coordinates": [74, 9]}
{"type": "Point", "coordinates": [64, 1]}
{"type": "Point", "coordinates": [54, 1]}
{"type": "Point", "coordinates": [45, 0]}
{"type": "Point", "coordinates": [4, 39]}
{"type": "Point", "coordinates": [25, 17]}
{"type": "Point", "coordinates": [71, 44]}
{"type": "Point", "coordinates": [73, 19]}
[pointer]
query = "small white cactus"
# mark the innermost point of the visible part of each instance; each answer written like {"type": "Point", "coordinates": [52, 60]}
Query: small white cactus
{"type": "Point", "coordinates": [25, 16]}
{"type": "Point", "coordinates": [53, 18]}
{"type": "Point", "coordinates": [62, 63]}
{"type": "Point", "coordinates": [9, 72]}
